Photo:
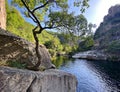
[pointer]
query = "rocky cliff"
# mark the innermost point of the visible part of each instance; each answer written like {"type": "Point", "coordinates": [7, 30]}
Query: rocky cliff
{"type": "Point", "coordinates": [2, 14]}
{"type": "Point", "coordinates": [109, 30]}
{"type": "Point", "coordinates": [14, 48]}
{"type": "Point", "coordinates": [107, 36]}
{"type": "Point", "coordinates": [16, 80]}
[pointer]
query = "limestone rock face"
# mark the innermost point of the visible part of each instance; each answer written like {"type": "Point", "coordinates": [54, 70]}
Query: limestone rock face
{"type": "Point", "coordinates": [15, 80]}
{"type": "Point", "coordinates": [2, 14]}
{"type": "Point", "coordinates": [14, 48]}
{"type": "Point", "coordinates": [109, 30]}
{"type": "Point", "coordinates": [114, 10]}
{"type": "Point", "coordinates": [107, 36]}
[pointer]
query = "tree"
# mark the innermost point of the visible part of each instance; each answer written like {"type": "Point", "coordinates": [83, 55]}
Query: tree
{"type": "Point", "coordinates": [49, 14]}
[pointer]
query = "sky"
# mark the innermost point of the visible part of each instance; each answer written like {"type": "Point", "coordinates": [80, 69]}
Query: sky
{"type": "Point", "coordinates": [98, 9]}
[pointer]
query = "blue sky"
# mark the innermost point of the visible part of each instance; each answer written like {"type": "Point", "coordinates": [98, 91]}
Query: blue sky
{"type": "Point", "coordinates": [98, 9]}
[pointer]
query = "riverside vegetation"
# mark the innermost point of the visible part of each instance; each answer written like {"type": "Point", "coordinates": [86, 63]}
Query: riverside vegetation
{"type": "Point", "coordinates": [63, 42]}
{"type": "Point", "coordinates": [56, 43]}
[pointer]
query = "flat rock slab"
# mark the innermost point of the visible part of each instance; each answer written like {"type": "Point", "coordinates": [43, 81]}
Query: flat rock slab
{"type": "Point", "coordinates": [53, 80]}
{"type": "Point", "coordinates": [91, 55]}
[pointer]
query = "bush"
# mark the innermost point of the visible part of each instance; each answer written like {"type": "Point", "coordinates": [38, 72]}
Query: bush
{"type": "Point", "coordinates": [114, 47]}
{"type": "Point", "coordinates": [16, 64]}
{"type": "Point", "coordinates": [87, 44]}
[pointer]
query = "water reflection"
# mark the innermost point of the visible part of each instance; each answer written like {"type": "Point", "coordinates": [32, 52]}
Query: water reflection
{"type": "Point", "coordinates": [93, 76]}
{"type": "Point", "coordinates": [60, 61]}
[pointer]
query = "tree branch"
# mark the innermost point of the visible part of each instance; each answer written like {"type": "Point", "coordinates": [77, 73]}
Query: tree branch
{"type": "Point", "coordinates": [40, 7]}
{"type": "Point", "coordinates": [31, 17]}
{"type": "Point", "coordinates": [35, 18]}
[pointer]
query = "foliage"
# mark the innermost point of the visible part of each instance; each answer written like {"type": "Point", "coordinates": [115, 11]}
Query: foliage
{"type": "Point", "coordinates": [54, 46]}
{"type": "Point", "coordinates": [60, 60]}
{"type": "Point", "coordinates": [54, 12]}
{"type": "Point", "coordinates": [35, 9]}
{"type": "Point", "coordinates": [16, 64]}
{"type": "Point", "coordinates": [68, 41]}
{"type": "Point", "coordinates": [114, 47]}
{"type": "Point", "coordinates": [17, 25]}
{"type": "Point", "coordinates": [86, 44]}
{"type": "Point", "coordinates": [108, 34]}
{"type": "Point", "coordinates": [51, 40]}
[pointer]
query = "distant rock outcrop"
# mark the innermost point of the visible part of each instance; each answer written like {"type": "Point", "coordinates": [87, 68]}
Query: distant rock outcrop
{"type": "Point", "coordinates": [14, 48]}
{"type": "Point", "coordinates": [107, 36]}
{"type": "Point", "coordinates": [109, 30]}
{"type": "Point", "coordinates": [16, 80]}
{"type": "Point", "coordinates": [91, 55]}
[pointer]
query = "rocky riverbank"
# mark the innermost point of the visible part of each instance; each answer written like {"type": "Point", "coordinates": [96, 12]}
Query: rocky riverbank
{"type": "Point", "coordinates": [96, 55]}
{"type": "Point", "coordinates": [53, 80]}
{"type": "Point", "coordinates": [91, 55]}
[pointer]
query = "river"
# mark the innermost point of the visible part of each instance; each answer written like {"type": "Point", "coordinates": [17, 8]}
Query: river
{"type": "Point", "coordinates": [93, 76]}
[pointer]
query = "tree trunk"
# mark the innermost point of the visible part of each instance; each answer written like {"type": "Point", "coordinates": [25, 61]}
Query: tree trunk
{"type": "Point", "coordinates": [2, 14]}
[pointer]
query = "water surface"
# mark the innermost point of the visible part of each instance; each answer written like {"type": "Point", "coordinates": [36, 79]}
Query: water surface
{"type": "Point", "coordinates": [93, 76]}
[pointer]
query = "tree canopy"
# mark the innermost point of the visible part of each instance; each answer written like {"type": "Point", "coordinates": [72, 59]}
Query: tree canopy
{"type": "Point", "coordinates": [49, 14]}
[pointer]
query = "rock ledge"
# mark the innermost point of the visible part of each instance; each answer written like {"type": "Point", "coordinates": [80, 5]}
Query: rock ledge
{"type": "Point", "coordinates": [18, 80]}
{"type": "Point", "coordinates": [91, 55]}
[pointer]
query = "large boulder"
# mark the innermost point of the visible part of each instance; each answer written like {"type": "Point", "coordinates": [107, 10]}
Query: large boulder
{"type": "Point", "coordinates": [16, 80]}
{"type": "Point", "coordinates": [14, 48]}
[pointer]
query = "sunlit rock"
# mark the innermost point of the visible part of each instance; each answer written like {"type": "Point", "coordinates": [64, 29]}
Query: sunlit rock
{"type": "Point", "coordinates": [16, 80]}
{"type": "Point", "coordinates": [91, 55]}
{"type": "Point", "coordinates": [14, 48]}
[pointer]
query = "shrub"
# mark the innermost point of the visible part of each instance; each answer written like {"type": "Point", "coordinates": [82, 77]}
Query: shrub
{"type": "Point", "coordinates": [16, 64]}
{"type": "Point", "coordinates": [114, 47]}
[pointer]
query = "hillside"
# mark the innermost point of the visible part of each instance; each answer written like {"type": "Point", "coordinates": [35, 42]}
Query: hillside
{"type": "Point", "coordinates": [17, 25]}
{"type": "Point", "coordinates": [107, 36]}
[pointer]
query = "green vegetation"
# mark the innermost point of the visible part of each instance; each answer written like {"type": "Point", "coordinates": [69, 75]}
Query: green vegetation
{"type": "Point", "coordinates": [114, 47]}
{"type": "Point", "coordinates": [62, 60]}
{"type": "Point", "coordinates": [16, 64]}
{"type": "Point", "coordinates": [17, 25]}
{"type": "Point", "coordinates": [50, 14]}
{"type": "Point", "coordinates": [86, 44]}
{"type": "Point", "coordinates": [109, 38]}
{"type": "Point", "coordinates": [69, 42]}
{"type": "Point", "coordinates": [54, 46]}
